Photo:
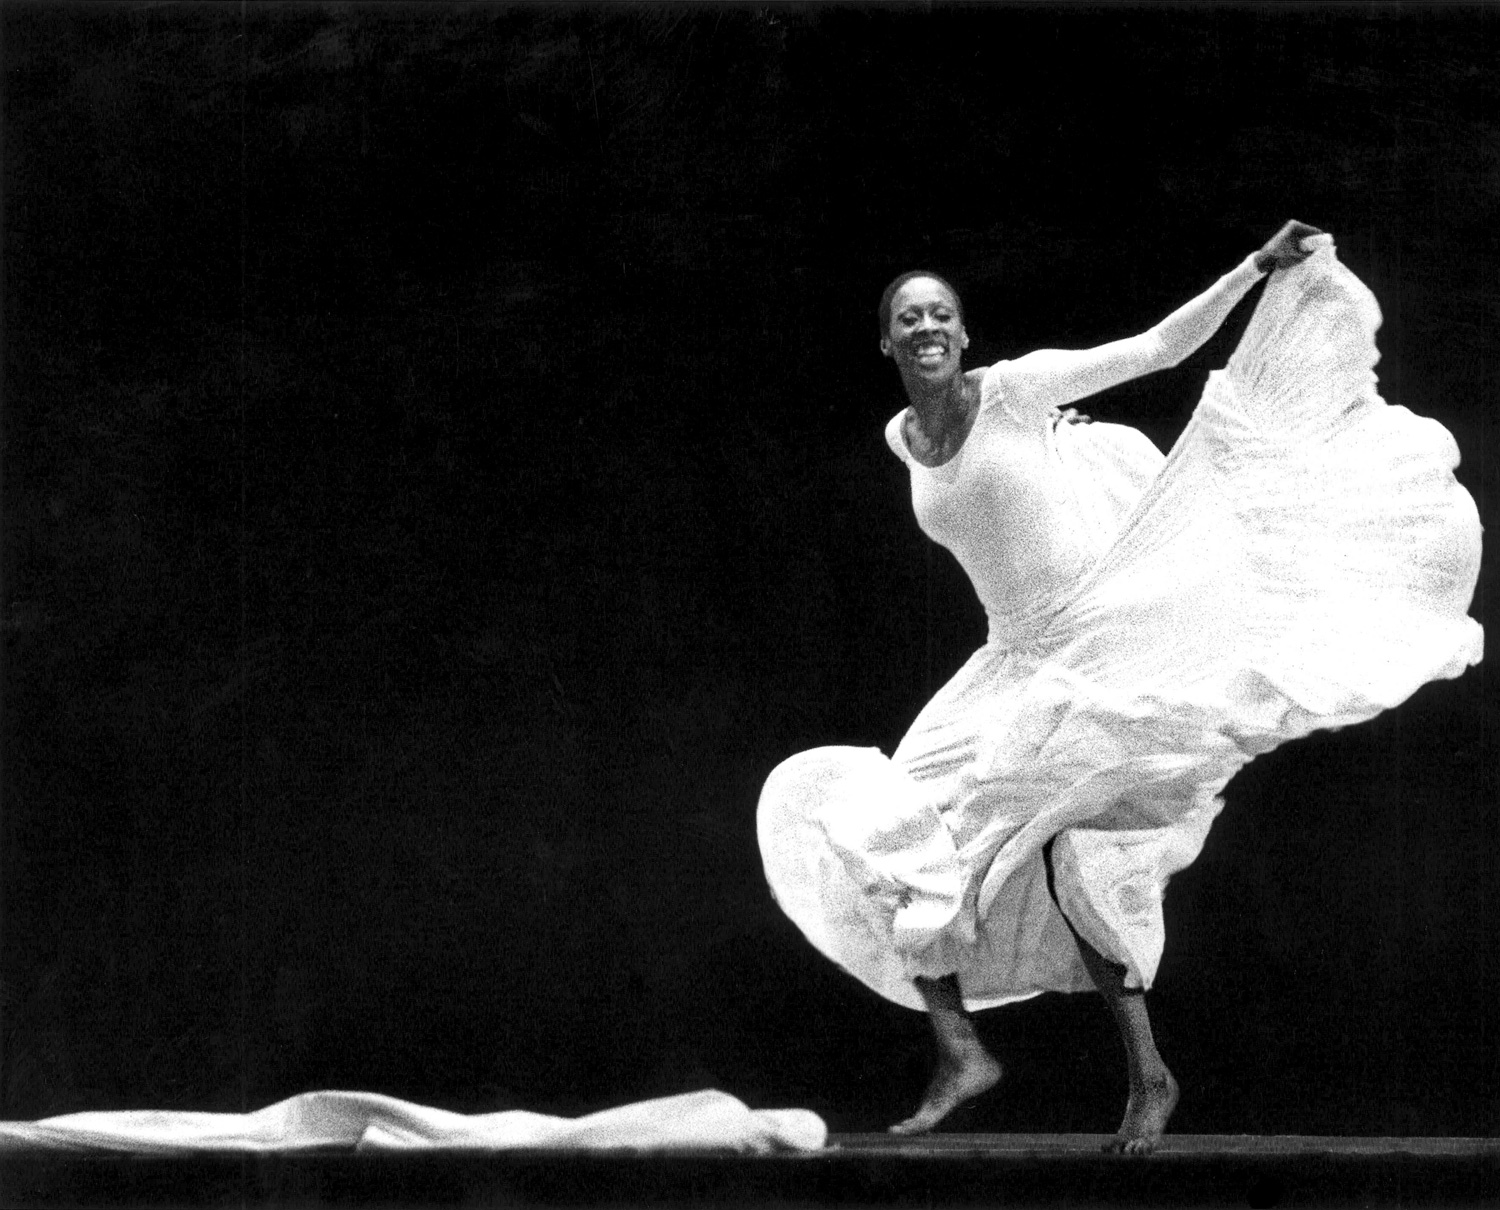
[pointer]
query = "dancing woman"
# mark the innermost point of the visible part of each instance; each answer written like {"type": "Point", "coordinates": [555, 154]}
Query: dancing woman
{"type": "Point", "coordinates": [1302, 559]}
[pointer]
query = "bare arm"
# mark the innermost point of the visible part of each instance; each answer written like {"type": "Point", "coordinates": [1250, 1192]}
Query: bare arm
{"type": "Point", "coordinates": [1063, 376]}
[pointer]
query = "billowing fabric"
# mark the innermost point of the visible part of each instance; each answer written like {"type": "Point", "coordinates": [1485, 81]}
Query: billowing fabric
{"type": "Point", "coordinates": [1303, 559]}
{"type": "Point", "coordinates": [367, 1121]}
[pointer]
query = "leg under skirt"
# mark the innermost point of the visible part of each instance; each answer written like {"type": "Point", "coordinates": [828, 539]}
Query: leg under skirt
{"type": "Point", "coordinates": [1304, 560]}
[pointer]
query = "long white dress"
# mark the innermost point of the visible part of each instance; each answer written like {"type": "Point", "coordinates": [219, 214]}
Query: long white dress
{"type": "Point", "coordinates": [1303, 559]}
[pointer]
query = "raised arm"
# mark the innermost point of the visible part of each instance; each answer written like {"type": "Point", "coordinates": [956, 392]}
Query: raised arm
{"type": "Point", "coordinates": [1063, 376]}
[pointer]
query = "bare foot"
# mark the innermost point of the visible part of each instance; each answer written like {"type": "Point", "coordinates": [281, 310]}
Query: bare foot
{"type": "Point", "coordinates": [959, 1078]}
{"type": "Point", "coordinates": [1146, 1114]}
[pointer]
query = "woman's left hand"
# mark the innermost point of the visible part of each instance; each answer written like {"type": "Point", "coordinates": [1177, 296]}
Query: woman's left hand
{"type": "Point", "coordinates": [1284, 249]}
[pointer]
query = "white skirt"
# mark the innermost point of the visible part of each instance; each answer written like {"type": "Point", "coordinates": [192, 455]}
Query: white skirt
{"type": "Point", "coordinates": [1305, 559]}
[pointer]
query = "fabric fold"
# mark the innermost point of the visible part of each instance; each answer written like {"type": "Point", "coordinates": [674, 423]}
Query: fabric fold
{"type": "Point", "coordinates": [364, 1121]}
{"type": "Point", "coordinates": [1302, 559]}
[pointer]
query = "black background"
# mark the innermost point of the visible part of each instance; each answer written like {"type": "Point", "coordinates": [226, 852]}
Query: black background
{"type": "Point", "coordinates": [443, 475]}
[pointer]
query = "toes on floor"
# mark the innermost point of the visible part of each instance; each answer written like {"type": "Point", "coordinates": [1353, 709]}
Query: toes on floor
{"type": "Point", "coordinates": [1129, 1147]}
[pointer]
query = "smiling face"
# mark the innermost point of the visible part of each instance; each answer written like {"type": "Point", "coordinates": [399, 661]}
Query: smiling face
{"type": "Point", "coordinates": [925, 335]}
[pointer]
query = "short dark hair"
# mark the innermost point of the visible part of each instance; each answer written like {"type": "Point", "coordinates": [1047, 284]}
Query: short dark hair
{"type": "Point", "coordinates": [883, 312]}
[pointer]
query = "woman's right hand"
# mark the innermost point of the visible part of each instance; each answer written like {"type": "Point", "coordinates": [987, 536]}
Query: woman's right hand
{"type": "Point", "coordinates": [1284, 249]}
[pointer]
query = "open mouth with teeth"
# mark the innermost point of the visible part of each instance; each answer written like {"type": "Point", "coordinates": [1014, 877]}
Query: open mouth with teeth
{"type": "Point", "coordinates": [929, 352]}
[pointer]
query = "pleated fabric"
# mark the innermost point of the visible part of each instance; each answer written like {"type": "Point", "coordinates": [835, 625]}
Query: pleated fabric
{"type": "Point", "coordinates": [1303, 560]}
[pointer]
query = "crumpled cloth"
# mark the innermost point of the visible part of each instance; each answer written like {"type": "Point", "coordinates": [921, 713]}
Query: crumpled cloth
{"type": "Point", "coordinates": [366, 1121]}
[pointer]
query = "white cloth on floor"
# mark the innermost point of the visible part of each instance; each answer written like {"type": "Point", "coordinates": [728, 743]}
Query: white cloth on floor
{"type": "Point", "coordinates": [366, 1121]}
{"type": "Point", "coordinates": [1303, 559]}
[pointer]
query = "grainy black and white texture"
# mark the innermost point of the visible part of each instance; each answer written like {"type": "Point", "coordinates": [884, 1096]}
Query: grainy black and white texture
{"type": "Point", "coordinates": [443, 474]}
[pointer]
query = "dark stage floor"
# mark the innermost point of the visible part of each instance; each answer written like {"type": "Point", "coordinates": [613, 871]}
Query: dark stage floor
{"type": "Point", "coordinates": [855, 1170]}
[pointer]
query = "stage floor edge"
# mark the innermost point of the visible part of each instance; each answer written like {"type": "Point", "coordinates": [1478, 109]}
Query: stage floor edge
{"type": "Point", "coordinates": [854, 1170]}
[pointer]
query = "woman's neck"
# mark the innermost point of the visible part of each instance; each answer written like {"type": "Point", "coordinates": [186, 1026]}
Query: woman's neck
{"type": "Point", "coordinates": [942, 406]}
